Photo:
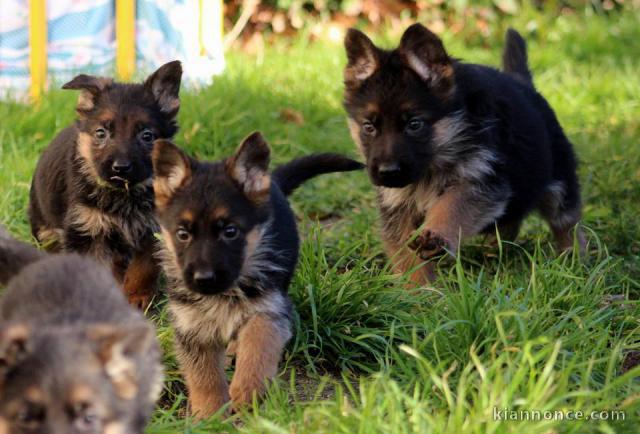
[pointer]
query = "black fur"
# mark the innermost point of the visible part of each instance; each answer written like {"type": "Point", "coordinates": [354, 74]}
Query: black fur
{"type": "Point", "coordinates": [430, 125]}
{"type": "Point", "coordinates": [91, 192]}
{"type": "Point", "coordinates": [231, 247]}
{"type": "Point", "coordinates": [514, 58]}
{"type": "Point", "coordinates": [289, 176]}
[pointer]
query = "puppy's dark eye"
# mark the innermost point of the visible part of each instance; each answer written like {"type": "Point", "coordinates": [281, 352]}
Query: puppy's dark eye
{"type": "Point", "coordinates": [183, 235]}
{"type": "Point", "coordinates": [368, 128]}
{"type": "Point", "coordinates": [147, 136]}
{"type": "Point", "coordinates": [230, 232]}
{"type": "Point", "coordinates": [84, 418]}
{"type": "Point", "coordinates": [31, 416]}
{"type": "Point", "coordinates": [414, 125]}
{"type": "Point", "coordinates": [100, 134]}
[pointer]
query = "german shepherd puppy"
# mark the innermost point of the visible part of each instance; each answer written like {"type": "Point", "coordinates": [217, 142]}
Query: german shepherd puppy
{"type": "Point", "coordinates": [74, 356]}
{"type": "Point", "coordinates": [230, 249]}
{"type": "Point", "coordinates": [454, 148]}
{"type": "Point", "coordinates": [91, 192]}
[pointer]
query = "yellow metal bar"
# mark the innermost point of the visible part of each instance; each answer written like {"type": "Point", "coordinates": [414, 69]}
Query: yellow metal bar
{"type": "Point", "coordinates": [125, 38]}
{"type": "Point", "coordinates": [37, 47]}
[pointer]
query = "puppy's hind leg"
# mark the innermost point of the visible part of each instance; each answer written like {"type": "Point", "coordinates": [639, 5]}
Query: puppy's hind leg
{"type": "Point", "coordinates": [260, 345]}
{"type": "Point", "coordinates": [561, 209]}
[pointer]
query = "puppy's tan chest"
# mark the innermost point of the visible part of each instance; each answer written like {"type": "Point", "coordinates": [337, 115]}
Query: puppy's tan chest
{"type": "Point", "coordinates": [218, 318]}
{"type": "Point", "coordinates": [97, 224]}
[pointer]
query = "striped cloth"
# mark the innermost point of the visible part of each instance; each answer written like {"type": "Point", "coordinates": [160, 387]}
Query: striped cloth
{"type": "Point", "coordinates": [81, 38]}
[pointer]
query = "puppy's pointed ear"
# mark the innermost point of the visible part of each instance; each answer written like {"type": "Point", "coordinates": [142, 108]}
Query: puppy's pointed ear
{"type": "Point", "coordinates": [164, 85]}
{"type": "Point", "coordinates": [423, 52]}
{"type": "Point", "coordinates": [118, 348]}
{"type": "Point", "coordinates": [14, 346]}
{"type": "Point", "coordinates": [171, 170]}
{"type": "Point", "coordinates": [249, 167]}
{"type": "Point", "coordinates": [363, 58]}
{"type": "Point", "coordinates": [91, 87]}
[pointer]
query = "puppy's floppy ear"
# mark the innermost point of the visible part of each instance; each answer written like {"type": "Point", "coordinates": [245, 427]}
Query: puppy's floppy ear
{"type": "Point", "coordinates": [14, 346]}
{"type": "Point", "coordinates": [249, 167]}
{"type": "Point", "coordinates": [164, 85]}
{"type": "Point", "coordinates": [171, 170]}
{"type": "Point", "coordinates": [363, 58]}
{"type": "Point", "coordinates": [91, 87]}
{"type": "Point", "coordinates": [423, 52]}
{"type": "Point", "coordinates": [117, 348]}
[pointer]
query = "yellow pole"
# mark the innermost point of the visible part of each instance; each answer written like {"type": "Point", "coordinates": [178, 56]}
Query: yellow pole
{"type": "Point", "coordinates": [37, 47]}
{"type": "Point", "coordinates": [125, 39]}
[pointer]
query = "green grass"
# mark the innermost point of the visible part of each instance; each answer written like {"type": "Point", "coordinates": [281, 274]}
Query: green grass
{"type": "Point", "coordinates": [513, 326]}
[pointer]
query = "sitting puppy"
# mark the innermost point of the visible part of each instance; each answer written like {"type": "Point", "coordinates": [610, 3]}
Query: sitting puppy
{"type": "Point", "coordinates": [231, 246]}
{"type": "Point", "coordinates": [456, 149]}
{"type": "Point", "coordinates": [91, 192]}
{"type": "Point", "coordinates": [74, 356]}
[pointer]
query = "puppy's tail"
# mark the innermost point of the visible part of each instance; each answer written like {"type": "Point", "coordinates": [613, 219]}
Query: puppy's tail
{"type": "Point", "coordinates": [291, 175]}
{"type": "Point", "coordinates": [14, 255]}
{"type": "Point", "coordinates": [514, 58]}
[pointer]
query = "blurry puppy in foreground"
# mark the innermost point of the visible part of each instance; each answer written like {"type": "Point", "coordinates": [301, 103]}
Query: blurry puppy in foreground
{"type": "Point", "coordinates": [75, 357]}
{"type": "Point", "coordinates": [456, 149]}
{"type": "Point", "coordinates": [231, 246]}
{"type": "Point", "coordinates": [91, 192]}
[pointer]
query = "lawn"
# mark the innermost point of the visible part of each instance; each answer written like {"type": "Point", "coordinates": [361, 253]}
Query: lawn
{"type": "Point", "coordinates": [505, 327]}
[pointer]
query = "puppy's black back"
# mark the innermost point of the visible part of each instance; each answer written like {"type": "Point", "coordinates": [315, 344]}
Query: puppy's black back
{"type": "Point", "coordinates": [50, 190]}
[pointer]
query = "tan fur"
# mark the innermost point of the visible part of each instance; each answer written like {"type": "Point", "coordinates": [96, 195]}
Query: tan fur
{"type": "Point", "coordinates": [86, 98]}
{"type": "Point", "coordinates": [253, 239]}
{"type": "Point", "coordinates": [354, 130]}
{"type": "Point", "coordinates": [563, 223]}
{"type": "Point", "coordinates": [165, 187]}
{"type": "Point", "coordinates": [106, 115]}
{"type": "Point", "coordinates": [220, 212]}
{"type": "Point", "coordinates": [220, 319]}
{"type": "Point", "coordinates": [206, 381]}
{"type": "Point", "coordinates": [50, 238]}
{"type": "Point", "coordinates": [34, 394]}
{"type": "Point", "coordinates": [80, 393]}
{"type": "Point", "coordinates": [187, 215]}
{"type": "Point", "coordinates": [120, 369]}
{"type": "Point", "coordinates": [141, 277]}
{"type": "Point", "coordinates": [4, 426]}
{"type": "Point", "coordinates": [255, 182]}
{"type": "Point", "coordinates": [404, 260]}
{"type": "Point", "coordinates": [259, 349]}
{"type": "Point", "coordinates": [364, 68]}
{"type": "Point", "coordinates": [114, 428]}
{"type": "Point", "coordinates": [93, 222]}
{"type": "Point", "coordinates": [85, 145]}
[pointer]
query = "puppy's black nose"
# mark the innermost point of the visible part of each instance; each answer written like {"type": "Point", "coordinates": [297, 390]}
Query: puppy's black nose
{"type": "Point", "coordinates": [122, 166]}
{"type": "Point", "coordinates": [204, 278]}
{"type": "Point", "coordinates": [389, 169]}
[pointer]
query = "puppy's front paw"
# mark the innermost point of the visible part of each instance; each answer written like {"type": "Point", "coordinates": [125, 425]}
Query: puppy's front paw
{"type": "Point", "coordinates": [141, 300]}
{"type": "Point", "coordinates": [428, 244]}
{"type": "Point", "coordinates": [243, 391]}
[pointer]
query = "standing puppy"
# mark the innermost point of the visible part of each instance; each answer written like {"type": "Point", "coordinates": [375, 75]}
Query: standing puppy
{"type": "Point", "coordinates": [456, 149]}
{"type": "Point", "coordinates": [231, 246]}
{"type": "Point", "coordinates": [91, 192]}
{"type": "Point", "coordinates": [74, 356]}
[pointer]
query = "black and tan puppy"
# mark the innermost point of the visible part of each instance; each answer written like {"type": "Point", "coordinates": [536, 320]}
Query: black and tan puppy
{"type": "Point", "coordinates": [456, 149]}
{"type": "Point", "coordinates": [75, 357]}
{"type": "Point", "coordinates": [231, 246]}
{"type": "Point", "coordinates": [91, 191]}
